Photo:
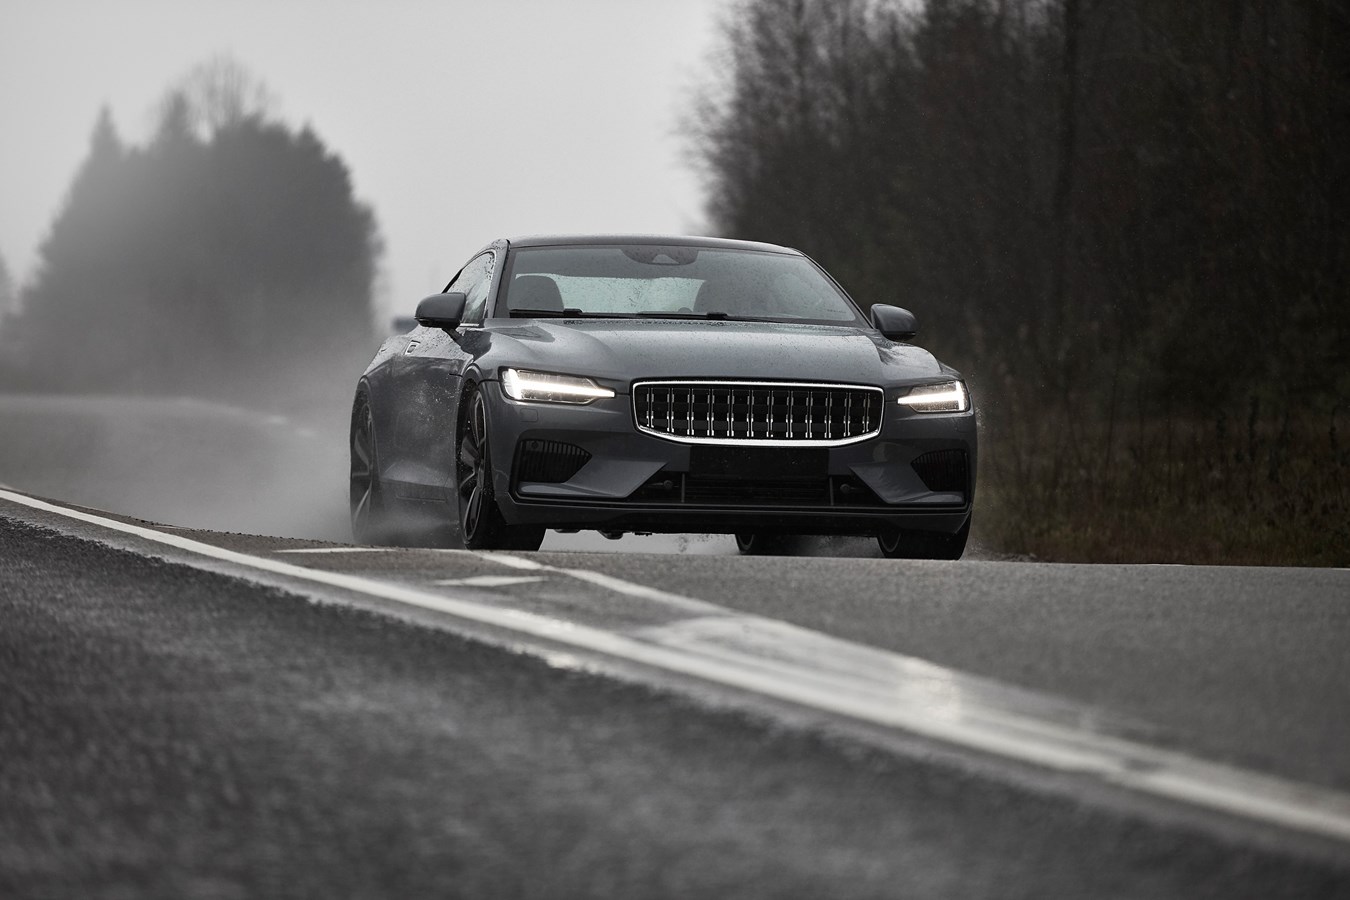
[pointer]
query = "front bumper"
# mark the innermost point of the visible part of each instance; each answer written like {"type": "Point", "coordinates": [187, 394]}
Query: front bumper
{"type": "Point", "coordinates": [639, 482]}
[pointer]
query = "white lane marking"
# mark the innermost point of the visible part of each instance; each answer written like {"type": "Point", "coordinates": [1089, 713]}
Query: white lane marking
{"type": "Point", "coordinates": [514, 562]}
{"type": "Point", "coordinates": [609, 582]}
{"type": "Point", "coordinates": [642, 591]}
{"type": "Point", "coordinates": [490, 580]}
{"type": "Point", "coordinates": [819, 672]}
{"type": "Point", "coordinates": [339, 550]}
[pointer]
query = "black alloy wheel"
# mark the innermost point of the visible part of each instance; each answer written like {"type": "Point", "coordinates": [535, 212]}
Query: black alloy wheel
{"type": "Point", "coordinates": [481, 525]}
{"type": "Point", "coordinates": [369, 524]}
{"type": "Point", "coordinates": [896, 543]}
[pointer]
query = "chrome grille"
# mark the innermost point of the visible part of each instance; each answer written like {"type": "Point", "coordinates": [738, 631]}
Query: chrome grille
{"type": "Point", "coordinates": [758, 412]}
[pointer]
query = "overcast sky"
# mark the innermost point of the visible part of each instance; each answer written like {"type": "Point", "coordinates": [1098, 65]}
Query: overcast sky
{"type": "Point", "coordinates": [460, 121]}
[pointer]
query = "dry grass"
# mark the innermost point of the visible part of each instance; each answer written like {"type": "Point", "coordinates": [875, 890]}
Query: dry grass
{"type": "Point", "coordinates": [1248, 490]}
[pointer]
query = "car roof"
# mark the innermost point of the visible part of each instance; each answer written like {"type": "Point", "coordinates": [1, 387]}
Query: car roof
{"type": "Point", "coordinates": [673, 240]}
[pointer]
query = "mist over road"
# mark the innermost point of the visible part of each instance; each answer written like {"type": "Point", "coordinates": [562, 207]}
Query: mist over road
{"type": "Point", "coordinates": [177, 723]}
{"type": "Point", "coordinates": [181, 461]}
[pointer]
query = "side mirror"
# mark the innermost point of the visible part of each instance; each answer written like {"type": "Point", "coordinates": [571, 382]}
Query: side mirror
{"type": "Point", "coordinates": [894, 323]}
{"type": "Point", "coordinates": [441, 311]}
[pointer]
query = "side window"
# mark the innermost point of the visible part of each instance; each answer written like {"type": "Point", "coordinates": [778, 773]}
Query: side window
{"type": "Point", "coordinates": [475, 279]}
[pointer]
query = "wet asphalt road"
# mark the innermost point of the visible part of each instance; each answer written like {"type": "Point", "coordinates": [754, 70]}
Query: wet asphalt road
{"type": "Point", "coordinates": [167, 731]}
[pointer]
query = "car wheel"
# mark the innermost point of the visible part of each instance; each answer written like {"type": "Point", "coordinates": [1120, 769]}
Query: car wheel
{"type": "Point", "coordinates": [481, 525]}
{"type": "Point", "coordinates": [758, 544]}
{"type": "Point", "coordinates": [369, 520]}
{"type": "Point", "coordinates": [897, 543]}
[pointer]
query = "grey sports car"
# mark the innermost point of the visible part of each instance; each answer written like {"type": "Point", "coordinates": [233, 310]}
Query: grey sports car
{"type": "Point", "coordinates": [659, 384]}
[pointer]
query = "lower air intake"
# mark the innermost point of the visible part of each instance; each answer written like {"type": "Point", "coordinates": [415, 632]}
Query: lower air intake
{"type": "Point", "coordinates": [944, 471]}
{"type": "Point", "coordinates": [550, 462]}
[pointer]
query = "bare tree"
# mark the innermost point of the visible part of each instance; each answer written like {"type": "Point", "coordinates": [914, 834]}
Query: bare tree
{"type": "Point", "coordinates": [217, 94]}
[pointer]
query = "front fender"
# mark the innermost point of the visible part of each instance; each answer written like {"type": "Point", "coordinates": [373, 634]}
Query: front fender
{"type": "Point", "coordinates": [424, 399]}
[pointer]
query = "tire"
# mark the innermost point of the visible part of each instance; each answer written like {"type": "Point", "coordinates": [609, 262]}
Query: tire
{"type": "Point", "coordinates": [899, 544]}
{"type": "Point", "coordinates": [760, 544]}
{"type": "Point", "coordinates": [481, 526]}
{"type": "Point", "coordinates": [370, 520]}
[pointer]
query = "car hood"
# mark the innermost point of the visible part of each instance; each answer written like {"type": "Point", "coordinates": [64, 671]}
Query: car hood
{"type": "Point", "coordinates": [624, 350]}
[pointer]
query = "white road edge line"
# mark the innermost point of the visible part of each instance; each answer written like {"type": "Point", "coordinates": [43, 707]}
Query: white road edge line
{"type": "Point", "coordinates": [338, 550]}
{"type": "Point", "coordinates": [489, 581]}
{"type": "Point", "coordinates": [815, 671]}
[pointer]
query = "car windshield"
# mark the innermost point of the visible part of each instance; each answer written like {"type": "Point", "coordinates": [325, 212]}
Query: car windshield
{"type": "Point", "coordinates": [670, 281]}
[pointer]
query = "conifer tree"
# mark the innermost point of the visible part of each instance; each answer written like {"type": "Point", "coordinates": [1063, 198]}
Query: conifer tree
{"type": "Point", "coordinates": [226, 258]}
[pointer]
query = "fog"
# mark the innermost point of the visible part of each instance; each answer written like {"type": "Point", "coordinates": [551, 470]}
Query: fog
{"type": "Point", "coordinates": [181, 462]}
{"type": "Point", "coordinates": [460, 121]}
{"type": "Point", "coordinates": [158, 366]}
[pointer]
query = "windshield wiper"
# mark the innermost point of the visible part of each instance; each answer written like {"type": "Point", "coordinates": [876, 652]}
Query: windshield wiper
{"type": "Point", "coordinates": [568, 313]}
{"type": "Point", "coordinates": [668, 314]}
{"type": "Point", "coordinates": [574, 313]}
{"type": "Point", "coordinates": [714, 315]}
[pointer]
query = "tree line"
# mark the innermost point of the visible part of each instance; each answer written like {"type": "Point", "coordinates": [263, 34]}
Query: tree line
{"type": "Point", "coordinates": [1104, 213]}
{"type": "Point", "coordinates": [1066, 190]}
{"type": "Point", "coordinates": [225, 258]}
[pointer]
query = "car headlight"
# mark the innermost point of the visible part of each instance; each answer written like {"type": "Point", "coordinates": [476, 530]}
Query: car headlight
{"type": "Point", "coordinates": [520, 384]}
{"type": "Point", "coordinates": [950, 396]}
